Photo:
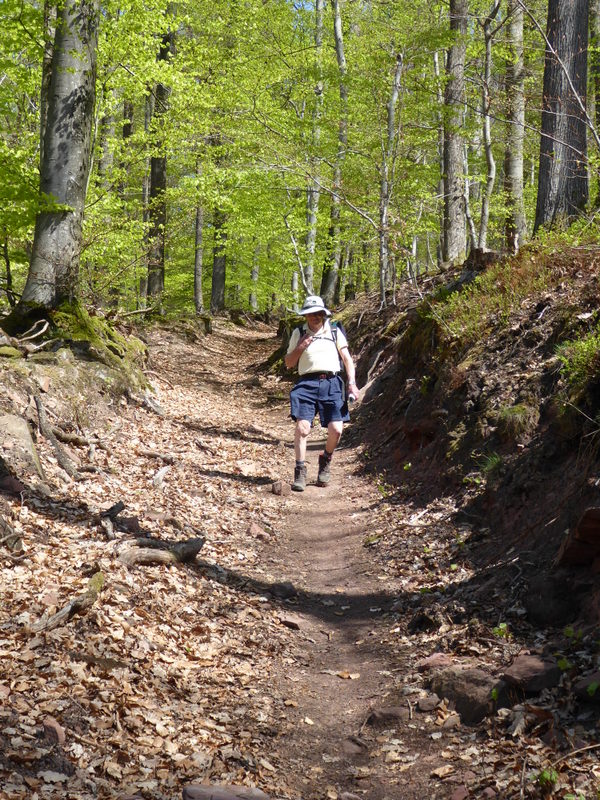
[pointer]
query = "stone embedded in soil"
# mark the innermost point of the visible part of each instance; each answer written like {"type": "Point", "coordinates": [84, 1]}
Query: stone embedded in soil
{"type": "Point", "coordinates": [385, 715]}
{"type": "Point", "coordinates": [54, 730]}
{"type": "Point", "coordinates": [532, 673]}
{"type": "Point", "coordinates": [588, 687]}
{"type": "Point", "coordinates": [218, 792]}
{"type": "Point", "coordinates": [435, 661]}
{"type": "Point", "coordinates": [281, 488]}
{"type": "Point", "coordinates": [469, 690]}
{"type": "Point", "coordinates": [291, 621]}
{"type": "Point", "coordinates": [460, 793]}
{"type": "Point", "coordinates": [428, 703]}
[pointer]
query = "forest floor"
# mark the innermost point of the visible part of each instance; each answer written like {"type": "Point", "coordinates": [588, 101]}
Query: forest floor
{"type": "Point", "coordinates": [292, 655]}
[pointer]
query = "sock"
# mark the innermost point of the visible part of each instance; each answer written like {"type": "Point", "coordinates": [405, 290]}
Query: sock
{"type": "Point", "coordinates": [300, 463]}
{"type": "Point", "coordinates": [327, 456]}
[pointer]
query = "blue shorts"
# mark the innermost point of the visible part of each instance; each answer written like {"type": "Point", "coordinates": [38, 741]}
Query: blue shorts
{"type": "Point", "coordinates": [323, 395]}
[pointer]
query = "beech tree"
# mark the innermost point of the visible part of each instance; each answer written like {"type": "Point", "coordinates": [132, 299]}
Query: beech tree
{"type": "Point", "coordinates": [54, 269]}
{"type": "Point", "coordinates": [563, 178]}
{"type": "Point", "coordinates": [454, 234]}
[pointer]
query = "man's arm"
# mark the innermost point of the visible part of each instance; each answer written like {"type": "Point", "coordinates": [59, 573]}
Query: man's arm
{"type": "Point", "coordinates": [350, 371]}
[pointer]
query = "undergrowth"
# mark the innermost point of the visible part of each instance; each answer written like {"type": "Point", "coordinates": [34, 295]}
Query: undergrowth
{"type": "Point", "coordinates": [580, 359]}
{"type": "Point", "coordinates": [492, 297]}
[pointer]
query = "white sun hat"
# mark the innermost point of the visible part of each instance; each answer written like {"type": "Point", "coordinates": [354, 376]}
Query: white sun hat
{"type": "Point", "coordinates": [314, 305]}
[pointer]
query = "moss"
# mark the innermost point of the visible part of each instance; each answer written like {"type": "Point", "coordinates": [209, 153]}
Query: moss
{"type": "Point", "coordinates": [6, 351]}
{"type": "Point", "coordinates": [102, 342]}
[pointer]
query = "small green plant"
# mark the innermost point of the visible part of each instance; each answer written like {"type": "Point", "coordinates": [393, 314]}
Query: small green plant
{"type": "Point", "coordinates": [592, 688]}
{"type": "Point", "coordinates": [407, 466]}
{"type": "Point", "coordinates": [495, 694]}
{"type": "Point", "coordinates": [502, 631]}
{"type": "Point", "coordinates": [564, 664]}
{"type": "Point", "coordinates": [518, 420]}
{"type": "Point", "coordinates": [490, 464]}
{"type": "Point", "coordinates": [547, 780]}
{"type": "Point", "coordinates": [580, 359]}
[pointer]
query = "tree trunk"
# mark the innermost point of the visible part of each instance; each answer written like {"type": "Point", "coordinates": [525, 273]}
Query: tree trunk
{"type": "Point", "coordinates": [254, 272]}
{"type": "Point", "coordinates": [454, 240]}
{"type": "Point", "coordinates": [54, 269]}
{"type": "Point", "coordinates": [49, 34]}
{"type": "Point", "coordinates": [386, 181]}
{"type": "Point", "coordinates": [486, 103]}
{"type": "Point", "coordinates": [158, 184]}
{"type": "Point", "coordinates": [314, 193]}
{"type": "Point", "coordinates": [217, 299]}
{"type": "Point", "coordinates": [331, 269]}
{"type": "Point", "coordinates": [516, 224]}
{"type": "Point", "coordinates": [562, 176]}
{"type": "Point", "coordinates": [198, 251]}
{"type": "Point", "coordinates": [595, 75]}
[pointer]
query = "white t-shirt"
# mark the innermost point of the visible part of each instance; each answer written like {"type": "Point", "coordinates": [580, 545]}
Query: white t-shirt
{"type": "Point", "coordinates": [322, 354]}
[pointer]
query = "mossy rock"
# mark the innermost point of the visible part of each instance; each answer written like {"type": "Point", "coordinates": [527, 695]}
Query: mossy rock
{"type": "Point", "coordinates": [6, 351]}
{"type": "Point", "coordinates": [98, 340]}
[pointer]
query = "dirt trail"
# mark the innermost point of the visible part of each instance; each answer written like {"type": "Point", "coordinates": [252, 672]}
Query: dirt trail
{"type": "Point", "coordinates": [327, 587]}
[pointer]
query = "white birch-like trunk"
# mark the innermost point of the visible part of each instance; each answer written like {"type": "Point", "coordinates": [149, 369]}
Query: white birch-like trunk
{"type": "Point", "coordinates": [54, 268]}
{"type": "Point", "coordinates": [386, 181]}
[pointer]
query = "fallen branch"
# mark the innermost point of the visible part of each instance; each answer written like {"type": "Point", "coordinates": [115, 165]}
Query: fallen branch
{"type": "Point", "coordinates": [154, 551]}
{"type": "Point", "coordinates": [144, 451]}
{"type": "Point", "coordinates": [63, 459]}
{"type": "Point", "coordinates": [76, 606]}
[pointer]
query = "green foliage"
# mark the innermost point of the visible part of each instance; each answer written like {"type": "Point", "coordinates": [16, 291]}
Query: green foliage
{"type": "Point", "coordinates": [490, 299]}
{"type": "Point", "coordinates": [516, 421]}
{"type": "Point", "coordinates": [547, 780]}
{"type": "Point", "coordinates": [502, 631]}
{"type": "Point", "coordinates": [580, 359]}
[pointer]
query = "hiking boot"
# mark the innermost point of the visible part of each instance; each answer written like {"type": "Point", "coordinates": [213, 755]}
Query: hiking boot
{"type": "Point", "coordinates": [299, 484]}
{"type": "Point", "coordinates": [324, 470]}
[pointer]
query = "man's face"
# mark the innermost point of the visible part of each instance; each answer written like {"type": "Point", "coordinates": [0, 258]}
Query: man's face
{"type": "Point", "coordinates": [315, 321]}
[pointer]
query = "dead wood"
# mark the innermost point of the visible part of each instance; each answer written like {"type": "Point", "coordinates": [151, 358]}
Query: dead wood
{"type": "Point", "coordinates": [155, 551]}
{"type": "Point", "coordinates": [145, 402]}
{"type": "Point", "coordinates": [144, 451]}
{"type": "Point", "coordinates": [76, 606]}
{"type": "Point", "coordinates": [63, 459]}
{"type": "Point", "coordinates": [70, 438]}
{"type": "Point", "coordinates": [9, 538]}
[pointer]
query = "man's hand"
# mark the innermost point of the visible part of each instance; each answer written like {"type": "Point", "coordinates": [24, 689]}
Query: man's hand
{"type": "Point", "coordinates": [304, 342]}
{"type": "Point", "coordinates": [352, 391]}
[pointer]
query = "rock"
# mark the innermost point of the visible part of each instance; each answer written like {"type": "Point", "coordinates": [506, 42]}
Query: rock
{"type": "Point", "coordinates": [349, 796]}
{"type": "Point", "coordinates": [291, 621]}
{"type": "Point", "coordinates": [281, 488]}
{"type": "Point", "coordinates": [532, 674]}
{"type": "Point", "coordinates": [387, 715]}
{"type": "Point", "coordinates": [588, 687]}
{"type": "Point", "coordinates": [460, 793]}
{"type": "Point", "coordinates": [428, 703]}
{"type": "Point", "coordinates": [6, 351]}
{"type": "Point", "coordinates": [452, 721]}
{"type": "Point", "coordinates": [19, 450]}
{"type": "Point", "coordinates": [435, 661]}
{"type": "Point", "coordinates": [257, 532]}
{"type": "Point", "coordinates": [54, 730]}
{"type": "Point", "coordinates": [217, 792]}
{"type": "Point", "coordinates": [472, 691]}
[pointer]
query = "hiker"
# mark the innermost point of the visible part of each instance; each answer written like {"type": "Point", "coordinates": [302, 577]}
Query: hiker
{"type": "Point", "coordinates": [319, 349]}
